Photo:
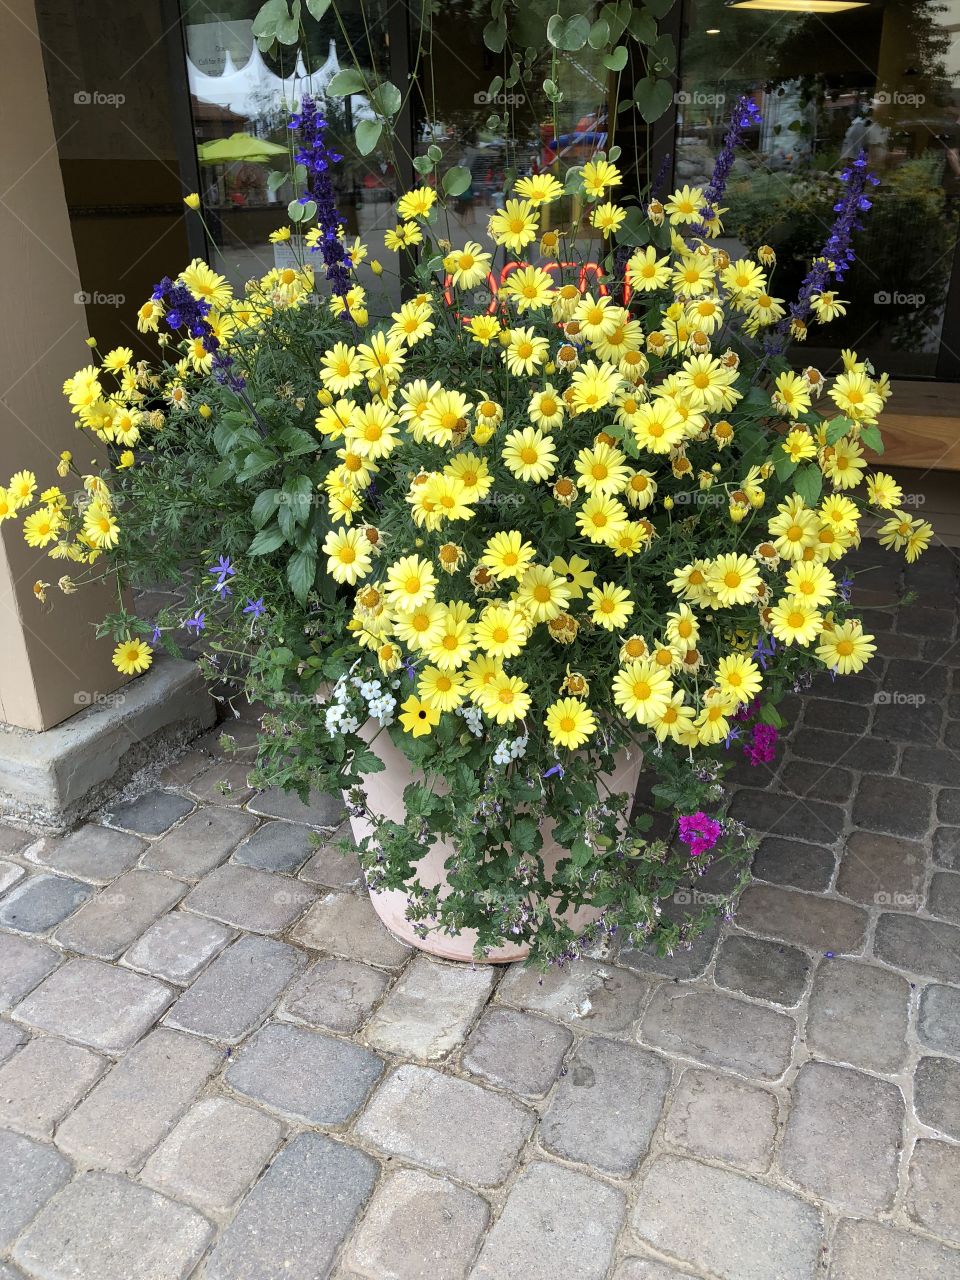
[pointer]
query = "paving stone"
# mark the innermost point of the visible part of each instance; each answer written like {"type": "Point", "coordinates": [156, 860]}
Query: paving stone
{"type": "Point", "coordinates": [917, 678]}
{"type": "Point", "coordinates": [822, 924]}
{"type": "Point", "coordinates": [691, 958]}
{"type": "Point", "coordinates": [322, 811]}
{"type": "Point", "coordinates": [648, 1269]}
{"type": "Point", "coordinates": [40, 1084]}
{"type": "Point", "coordinates": [95, 1003]}
{"type": "Point", "coordinates": [332, 867]}
{"type": "Point", "coordinates": [721, 1118]}
{"type": "Point", "coordinates": [936, 1094]}
{"type": "Point", "coordinates": [919, 946]}
{"type": "Point", "coordinates": [607, 1106]}
{"type": "Point", "coordinates": [918, 621]}
{"type": "Point", "coordinates": [843, 1137]}
{"type": "Point", "coordinates": [253, 900]}
{"type": "Point", "coordinates": [303, 1074]}
{"type": "Point", "coordinates": [719, 1031]}
{"type": "Point", "coordinates": [429, 1012]}
{"type": "Point", "coordinates": [948, 805]}
{"type": "Point", "coordinates": [517, 1051]}
{"type": "Point", "coordinates": [776, 815]}
{"type": "Point", "coordinates": [724, 1223]}
{"type": "Point", "coordinates": [347, 925]}
{"type": "Point", "coordinates": [909, 722]}
{"type": "Point", "coordinates": [946, 847]}
{"type": "Point", "coordinates": [764, 970]}
{"type": "Point", "coordinates": [178, 946]}
{"type": "Point", "coordinates": [828, 748]}
{"type": "Point", "coordinates": [890, 645]}
{"type": "Point", "coordinates": [943, 897]}
{"type": "Point", "coordinates": [23, 963]}
{"type": "Point", "coordinates": [13, 840]}
{"type": "Point", "coordinates": [10, 873]}
{"type": "Point", "coordinates": [882, 871]}
{"type": "Point", "coordinates": [843, 717]}
{"type": "Point", "coordinates": [892, 805]}
{"type": "Point", "coordinates": [933, 1194]}
{"type": "Point", "coordinates": [238, 990]}
{"type": "Point", "coordinates": [222, 782]}
{"type": "Point", "coordinates": [418, 1227]}
{"type": "Point", "coordinates": [555, 1223]}
{"type": "Point", "coordinates": [201, 843]}
{"type": "Point", "coordinates": [39, 903]}
{"type": "Point", "coordinates": [30, 1173]}
{"type": "Point", "coordinates": [794, 863]}
{"type": "Point", "coordinates": [180, 773]}
{"type": "Point", "coordinates": [137, 1103]}
{"type": "Point", "coordinates": [214, 1154]}
{"type": "Point", "coordinates": [336, 994]}
{"type": "Point", "coordinates": [107, 924]}
{"type": "Point", "coordinates": [805, 778]}
{"type": "Point", "coordinates": [294, 1220]}
{"type": "Point", "coordinates": [858, 1014]}
{"type": "Point", "coordinates": [860, 688]}
{"type": "Point", "coordinates": [447, 1124]}
{"type": "Point", "coordinates": [931, 765]}
{"type": "Point", "coordinates": [106, 1228]}
{"type": "Point", "coordinates": [583, 993]}
{"type": "Point", "coordinates": [871, 1251]}
{"type": "Point", "coordinates": [91, 852]}
{"type": "Point", "coordinates": [276, 846]}
{"type": "Point", "coordinates": [12, 1038]}
{"type": "Point", "coordinates": [938, 1021]}
{"type": "Point", "coordinates": [151, 814]}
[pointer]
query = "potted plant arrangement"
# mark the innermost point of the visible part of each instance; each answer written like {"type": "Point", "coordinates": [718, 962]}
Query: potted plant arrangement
{"type": "Point", "coordinates": [487, 558]}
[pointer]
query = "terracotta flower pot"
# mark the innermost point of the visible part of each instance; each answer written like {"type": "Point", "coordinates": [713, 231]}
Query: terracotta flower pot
{"type": "Point", "coordinates": [385, 797]}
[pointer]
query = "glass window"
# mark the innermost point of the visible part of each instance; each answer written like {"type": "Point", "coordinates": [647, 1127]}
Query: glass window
{"type": "Point", "coordinates": [241, 101]}
{"type": "Point", "coordinates": [884, 78]}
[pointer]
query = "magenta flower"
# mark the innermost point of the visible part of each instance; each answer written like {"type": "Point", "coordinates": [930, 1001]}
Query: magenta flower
{"type": "Point", "coordinates": [700, 832]}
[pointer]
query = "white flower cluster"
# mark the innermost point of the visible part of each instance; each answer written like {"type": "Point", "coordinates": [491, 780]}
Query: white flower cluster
{"type": "Point", "coordinates": [472, 717]}
{"type": "Point", "coordinates": [510, 749]}
{"type": "Point", "coordinates": [345, 713]}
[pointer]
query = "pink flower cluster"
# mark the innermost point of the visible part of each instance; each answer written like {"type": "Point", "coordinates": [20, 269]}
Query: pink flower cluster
{"type": "Point", "coordinates": [700, 832]}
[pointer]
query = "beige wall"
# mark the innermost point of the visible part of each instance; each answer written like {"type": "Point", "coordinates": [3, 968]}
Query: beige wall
{"type": "Point", "coordinates": [50, 660]}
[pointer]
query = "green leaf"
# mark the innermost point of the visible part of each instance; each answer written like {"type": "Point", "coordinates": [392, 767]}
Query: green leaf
{"type": "Point", "coordinates": [770, 715]}
{"type": "Point", "coordinates": [309, 211]}
{"type": "Point", "coordinates": [317, 8]}
{"type": "Point", "coordinates": [659, 8]}
{"type": "Point", "coordinates": [295, 442]}
{"type": "Point", "coordinates": [276, 179]}
{"type": "Point", "coordinates": [302, 573]}
{"type": "Point", "coordinates": [581, 852]}
{"type": "Point", "coordinates": [456, 180]}
{"type": "Point", "coordinates": [368, 134]}
{"type": "Point", "coordinates": [784, 466]}
{"type": "Point", "coordinates": [288, 27]}
{"type": "Point", "coordinates": [495, 36]}
{"type": "Point", "coordinates": [295, 211]}
{"type": "Point", "coordinates": [345, 82]}
{"type": "Point", "coordinates": [422, 164]}
{"type": "Point", "coordinates": [635, 229]}
{"type": "Point", "coordinates": [653, 97]}
{"type": "Point", "coordinates": [808, 483]}
{"type": "Point", "coordinates": [616, 60]}
{"type": "Point", "coordinates": [264, 506]}
{"type": "Point", "coordinates": [576, 32]}
{"type": "Point", "coordinates": [268, 16]}
{"type": "Point", "coordinates": [434, 152]}
{"type": "Point", "coordinates": [643, 28]}
{"type": "Point", "coordinates": [837, 429]}
{"type": "Point", "coordinates": [266, 540]}
{"type": "Point", "coordinates": [387, 98]}
{"type": "Point", "coordinates": [599, 34]}
{"type": "Point", "coordinates": [872, 438]}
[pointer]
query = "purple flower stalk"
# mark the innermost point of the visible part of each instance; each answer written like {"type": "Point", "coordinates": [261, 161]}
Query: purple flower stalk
{"type": "Point", "coordinates": [700, 832]}
{"type": "Point", "coordinates": [316, 157]}
{"type": "Point", "coordinates": [837, 253]}
{"type": "Point", "coordinates": [181, 310]}
{"type": "Point", "coordinates": [744, 114]}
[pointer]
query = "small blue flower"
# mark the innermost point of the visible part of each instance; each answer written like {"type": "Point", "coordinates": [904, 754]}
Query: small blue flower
{"type": "Point", "coordinates": [196, 623]}
{"type": "Point", "coordinates": [256, 608]}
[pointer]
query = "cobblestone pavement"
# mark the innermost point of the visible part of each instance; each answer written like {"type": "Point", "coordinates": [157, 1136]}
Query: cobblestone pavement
{"type": "Point", "coordinates": [214, 1061]}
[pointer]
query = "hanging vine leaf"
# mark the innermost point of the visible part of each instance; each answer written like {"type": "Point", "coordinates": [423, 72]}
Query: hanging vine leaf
{"type": "Point", "coordinates": [653, 97]}
{"type": "Point", "coordinates": [456, 180]}
{"type": "Point", "coordinates": [599, 34]}
{"type": "Point", "coordinates": [659, 8]}
{"type": "Point", "coordinates": [616, 60]}
{"type": "Point", "coordinates": [318, 8]}
{"type": "Point", "coordinates": [345, 82]}
{"type": "Point", "coordinates": [495, 36]}
{"type": "Point", "coordinates": [386, 98]}
{"type": "Point", "coordinates": [367, 134]}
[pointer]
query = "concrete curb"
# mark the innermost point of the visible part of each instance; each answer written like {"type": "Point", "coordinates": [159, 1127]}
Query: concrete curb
{"type": "Point", "coordinates": [52, 780]}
